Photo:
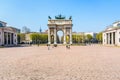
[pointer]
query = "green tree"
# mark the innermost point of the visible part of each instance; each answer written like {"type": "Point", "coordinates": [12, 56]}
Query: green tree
{"type": "Point", "coordinates": [83, 38]}
{"type": "Point", "coordinates": [99, 37]}
{"type": "Point", "coordinates": [35, 37]}
{"type": "Point", "coordinates": [39, 38]}
{"type": "Point", "coordinates": [74, 38]}
{"type": "Point", "coordinates": [78, 38]}
{"type": "Point", "coordinates": [44, 38]}
{"type": "Point", "coordinates": [20, 37]}
{"type": "Point", "coordinates": [89, 37]}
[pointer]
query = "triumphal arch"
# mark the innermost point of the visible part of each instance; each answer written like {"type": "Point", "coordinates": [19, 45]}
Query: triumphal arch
{"type": "Point", "coordinates": [60, 23]}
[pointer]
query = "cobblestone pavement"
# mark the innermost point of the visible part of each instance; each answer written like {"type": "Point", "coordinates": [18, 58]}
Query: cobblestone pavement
{"type": "Point", "coordinates": [78, 63]}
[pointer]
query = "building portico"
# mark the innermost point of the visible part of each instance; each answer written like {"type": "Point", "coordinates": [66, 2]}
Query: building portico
{"type": "Point", "coordinates": [111, 36]}
{"type": "Point", "coordinates": [8, 36]}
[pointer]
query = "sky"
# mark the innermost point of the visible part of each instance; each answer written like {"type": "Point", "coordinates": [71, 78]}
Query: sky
{"type": "Point", "coordinates": [87, 15]}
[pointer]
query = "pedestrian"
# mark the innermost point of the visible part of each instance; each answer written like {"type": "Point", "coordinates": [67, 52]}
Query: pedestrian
{"type": "Point", "coordinates": [68, 46]}
{"type": "Point", "coordinates": [38, 44]}
{"type": "Point", "coordinates": [48, 45]}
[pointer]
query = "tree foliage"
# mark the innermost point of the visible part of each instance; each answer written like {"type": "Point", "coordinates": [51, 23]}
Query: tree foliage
{"type": "Point", "coordinates": [39, 38]}
{"type": "Point", "coordinates": [89, 37]}
{"type": "Point", "coordinates": [78, 38]}
{"type": "Point", "coordinates": [20, 37]}
{"type": "Point", "coordinates": [99, 37]}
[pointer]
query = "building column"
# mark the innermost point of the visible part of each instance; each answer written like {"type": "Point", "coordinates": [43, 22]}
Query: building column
{"type": "Point", "coordinates": [10, 38]}
{"type": "Point", "coordinates": [49, 40]}
{"type": "Point", "coordinates": [114, 35]}
{"type": "Point", "coordinates": [104, 38]}
{"type": "Point", "coordinates": [116, 38]}
{"type": "Point", "coordinates": [55, 36]}
{"type": "Point", "coordinates": [3, 39]}
{"type": "Point", "coordinates": [6, 38]}
{"type": "Point", "coordinates": [15, 39]}
{"type": "Point", "coordinates": [64, 36]}
{"type": "Point", "coordinates": [70, 36]}
{"type": "Point", "coordinates": [108, 38]}
{"type": "Point", "coordinates": [112, 40]}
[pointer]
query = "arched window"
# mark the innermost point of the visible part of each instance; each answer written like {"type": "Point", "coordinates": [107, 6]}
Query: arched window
{"type": "Point", "coordinates": [1, 25]}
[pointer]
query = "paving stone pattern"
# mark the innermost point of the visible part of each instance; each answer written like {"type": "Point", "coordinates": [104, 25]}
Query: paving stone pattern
{"type": "Point", "coordinates": [77, 63]}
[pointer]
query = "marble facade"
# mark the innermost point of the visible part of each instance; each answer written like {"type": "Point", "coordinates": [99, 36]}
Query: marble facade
{"type": "Point", "coordinates": [111, 36]}
{"type": "Point", "coordinates": [60, 23]}
{"type": "Point", "coordinates": [8, 35]}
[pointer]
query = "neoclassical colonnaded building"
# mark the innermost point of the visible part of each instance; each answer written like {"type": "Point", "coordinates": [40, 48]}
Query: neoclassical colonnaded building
{"type": "Point", "coordinates": [8, 35]}
{"type": "Point", "coordinates": [111, 36]}
{"type": "Point", "coordinates": [60, 23]}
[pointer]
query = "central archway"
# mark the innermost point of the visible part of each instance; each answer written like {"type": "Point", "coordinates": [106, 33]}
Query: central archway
{"type": "Point", "coordinates": [60, 37]}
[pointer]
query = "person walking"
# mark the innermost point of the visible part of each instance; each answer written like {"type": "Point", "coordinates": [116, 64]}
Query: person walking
{"type": "Point", "coordinates": [48, 45]}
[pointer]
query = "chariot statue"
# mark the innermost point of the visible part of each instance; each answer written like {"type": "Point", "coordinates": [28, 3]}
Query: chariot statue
{"type": "Point", "coordinates": [59, 17]}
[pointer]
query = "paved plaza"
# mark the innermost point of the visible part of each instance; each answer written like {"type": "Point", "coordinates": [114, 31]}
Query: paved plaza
{"type": "Point", "coordinates": [78, 63]}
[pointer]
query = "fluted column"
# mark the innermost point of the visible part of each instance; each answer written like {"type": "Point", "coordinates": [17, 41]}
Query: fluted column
{"type": "Point", "coordinates": [116, 38]}
{"type": "Point", "coordinates": [10, 39]}
{"type": "Point", "coordinates": [108, 38]}
{"type": "Point", "coordinates": [112, 38]}
{"type": "Point", "coordinates": [6, 38]}
{"type": "Point", "coordinates": [49, 40]}
{"type": "Point", "coordinates": [55, 36]}
{"type": "Point", "coordinates": [70, 36]}
{"type": "Point", "coordinates": [3, 39]}
{"type": "Point", "coordinates": [64, 36]}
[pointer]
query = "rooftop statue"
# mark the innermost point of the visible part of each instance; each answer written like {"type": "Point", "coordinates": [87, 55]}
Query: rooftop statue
{"type": "Point", "coordinates": [1, 25]}
{"type": "Point", "coordinates": [49, 17]}
{"type": "Point", "coordinates": [59, 17]}
{"type": "Point", "coordinates": [70, 17]}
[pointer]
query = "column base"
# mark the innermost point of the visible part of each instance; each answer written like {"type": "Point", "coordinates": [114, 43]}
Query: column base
{"type": "Point", "coordinates": [55, 43]}
{"type": "Point", "coordinates": [64, 43]}
{"type": "Point", "coordinates": [70, 42]}
{"type": "Point", "coordinates": [49, 42]}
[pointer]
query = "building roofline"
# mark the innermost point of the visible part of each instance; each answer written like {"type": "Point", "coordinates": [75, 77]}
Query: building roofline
{"type": "Point", "coordinates": [116, 22]}
{"type": "Point", "coordinates": [3, 22]}
{"type": "Point", "coordinates": [59, 19]}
